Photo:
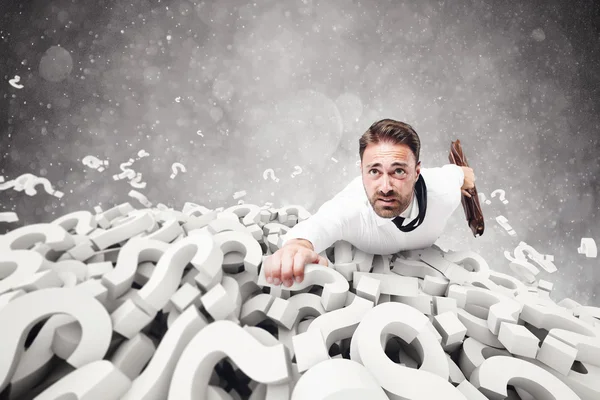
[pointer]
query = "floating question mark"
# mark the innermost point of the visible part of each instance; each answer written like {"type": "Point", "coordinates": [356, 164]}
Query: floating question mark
{"type": "Point", "coordinates": [13, 82]}
{"type": "Point", "coordinates": [483, 199]}
{"type": "Point", "coordinates": [504, 223]}
{"type": "Point", "coordinates": [127, 172]}
{"type": "Point", "coordinates": [29, 182]}
{"type": "Point", "coordinates": [502, 194]}
{"type": "Point", "coordinates": [297, 171]}
{"type": "Point", "coordinates": [268, 172]}
{"type": "Point", "coordinates": [135, 182]}
{"type": "Point", "coordinates": [95, 163]}
{"type": "Point", "coordinates": [174, 169]}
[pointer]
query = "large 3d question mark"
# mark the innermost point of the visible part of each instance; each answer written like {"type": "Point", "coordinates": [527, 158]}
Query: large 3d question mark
{"type": "Point", "coordinates": [97, 379]}
{"type": "Point", "coordinates": [335, 286]}
{"type": "Point", "coordinates": [153, 383]}
{"type": "Point", "coordinates": [397, 380]}
{"type": "Point", "coordinates": [224, 338]}
{"type": "Point", "coordinates": [494, 375]}
{"type": "Point", "coordinates": [21, 314]}
{"type": "Point", "coordinates": [19, 266]}
{"type": "Point", "coordinates": [338, 378]}
{"type": "Point", "coordinates": [25, 237]}
{"type": "Point", "coordinates": [200, 250]}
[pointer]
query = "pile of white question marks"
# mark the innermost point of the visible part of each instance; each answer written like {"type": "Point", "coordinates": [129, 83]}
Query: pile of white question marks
{"type": "Point", "coordinates": [157, 303]}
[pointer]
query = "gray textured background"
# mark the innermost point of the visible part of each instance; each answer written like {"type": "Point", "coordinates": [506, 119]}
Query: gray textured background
{"type": "Point", "coordinates": [231, 88]}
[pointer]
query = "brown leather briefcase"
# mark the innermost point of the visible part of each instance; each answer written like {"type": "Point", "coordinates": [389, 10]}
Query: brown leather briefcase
{"type": "Point", "coordinates": [471, 205]}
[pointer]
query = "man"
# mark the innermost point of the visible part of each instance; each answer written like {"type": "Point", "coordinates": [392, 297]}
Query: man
{"type": "Point", "coordinates": [398, 206]}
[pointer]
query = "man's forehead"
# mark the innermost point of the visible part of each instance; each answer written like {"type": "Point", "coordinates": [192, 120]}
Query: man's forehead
{"type": "Point", "coordinates": [396, 155]}
{"type": "Point", "coordinates": [396, 163]}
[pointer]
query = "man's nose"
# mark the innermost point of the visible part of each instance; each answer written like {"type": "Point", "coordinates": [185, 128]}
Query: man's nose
{"type": "Point", "coordinates": [386, 186]}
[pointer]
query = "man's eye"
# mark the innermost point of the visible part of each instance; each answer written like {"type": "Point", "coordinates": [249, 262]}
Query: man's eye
{"type": "Point", "coordinates": [397, 169]}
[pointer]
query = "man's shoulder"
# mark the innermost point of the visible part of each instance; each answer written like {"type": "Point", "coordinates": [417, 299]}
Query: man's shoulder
{"type": "Point", "coordinates": [439, 180]}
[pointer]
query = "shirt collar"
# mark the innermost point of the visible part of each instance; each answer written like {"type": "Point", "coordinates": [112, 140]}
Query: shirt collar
{"type": "Point", "coordinates": [409, 214]}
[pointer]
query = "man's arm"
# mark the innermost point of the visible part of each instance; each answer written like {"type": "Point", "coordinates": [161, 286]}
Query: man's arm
{"type": "Point", "coordinates": [323, 228]}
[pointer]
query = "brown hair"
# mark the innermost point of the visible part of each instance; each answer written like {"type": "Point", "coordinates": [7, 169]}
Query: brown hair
{"type": "Point", "coordinates": [390, 131]}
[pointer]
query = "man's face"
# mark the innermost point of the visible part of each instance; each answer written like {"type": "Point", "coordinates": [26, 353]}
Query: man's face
{"type": "Point", "coordinates": [383, 178]}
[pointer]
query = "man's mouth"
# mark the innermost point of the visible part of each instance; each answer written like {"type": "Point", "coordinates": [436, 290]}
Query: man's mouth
{"type": "Point", "coordinates": [387, 201]}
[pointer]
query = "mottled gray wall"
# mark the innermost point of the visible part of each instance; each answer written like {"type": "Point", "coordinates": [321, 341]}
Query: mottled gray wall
{"type": "Point", "coordinates": [231, 88]}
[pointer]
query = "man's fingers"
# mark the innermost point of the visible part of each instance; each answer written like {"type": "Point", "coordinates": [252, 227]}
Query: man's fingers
{"type": "Point", "coordinates": [299, 263]}
{"type": "Point", "coordinates": [323, 261]}
{"type": "Point", "coordinates": [268, 266]}
{"type": "Point", "coordinates": [287, 264]}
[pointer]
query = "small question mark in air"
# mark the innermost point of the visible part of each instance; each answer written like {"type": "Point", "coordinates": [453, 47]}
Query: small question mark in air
{"type": "Point", "coordinates": [13, 82]}
{"type": "Point", "coordinates": [174, 169]}
{"type": "Point", "coordinates": [501, 219]}
{"type": "Point", "coordinates": [94, 163]}
{"type": "Point", "coordinates": [502, 193]}
{"type": "Point", "coordinates": [297, 171]}
{"type": "Point", "coordinates": [482, 198]}
{"type": "Point", "coordinates": [270, 172]}
{"type": "Point", "coordinates": [127, 172]}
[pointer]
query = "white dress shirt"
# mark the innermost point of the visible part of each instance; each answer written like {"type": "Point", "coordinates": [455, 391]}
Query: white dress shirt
{"type": "Point", "coordinates": [349, 216]}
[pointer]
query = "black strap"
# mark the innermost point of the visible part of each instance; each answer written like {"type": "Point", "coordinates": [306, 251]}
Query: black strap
{"type": "Point", "coordinates": [421, 193]}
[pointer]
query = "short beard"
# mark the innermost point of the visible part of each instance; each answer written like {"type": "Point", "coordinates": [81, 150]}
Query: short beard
{"type": "Point", "coordinates": [392, 210]}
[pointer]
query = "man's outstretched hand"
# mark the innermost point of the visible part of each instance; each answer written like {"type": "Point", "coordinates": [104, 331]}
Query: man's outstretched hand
{"type": "Point", "coordinates": [469, 182]}
{"type": "Point", "coordinates": [287, 264]}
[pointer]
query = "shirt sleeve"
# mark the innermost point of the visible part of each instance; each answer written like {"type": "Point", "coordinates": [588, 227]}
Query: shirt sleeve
{"type": "Point", "coordinates": [326, 226]}
{"type": "Point", "coordinates": [454, 174]}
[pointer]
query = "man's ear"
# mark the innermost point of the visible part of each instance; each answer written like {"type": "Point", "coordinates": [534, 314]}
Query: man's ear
{"type": "Point", "coordinates": [418, 168]}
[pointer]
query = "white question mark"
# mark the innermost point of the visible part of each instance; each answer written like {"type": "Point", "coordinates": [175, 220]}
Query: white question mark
{"type": "Point", "coordinates": [174, 169]}
{"type": "Point", "coordinates": [93, 162]}
{"type": "Point", "coordinates": [297, 171]}
{"type": "Point", "coordinates": [135, 182]}
{"type": "Point", "coordinates": [268, 172]}
{"type": "Point", "coordinates": [29, 182]}
{"type": "Point", "coordinates": [127, 172]}
{"type": "Point", "coordinates": [483, 199]}
{"type": "Point", "coordinates": [502, 193]}
{"type": "Point", "coordinates": [13, 82]}
{"type": "Point", "coordinates": [501, 219]}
